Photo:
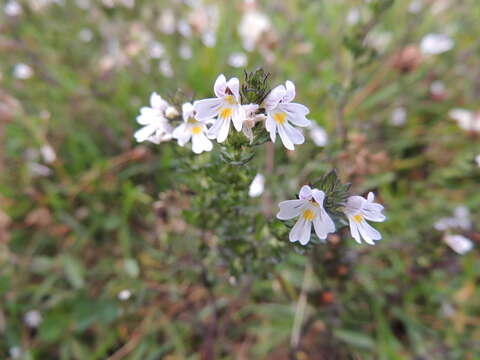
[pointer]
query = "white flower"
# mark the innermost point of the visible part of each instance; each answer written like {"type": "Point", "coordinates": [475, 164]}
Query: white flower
{"type": "Point", "coordinates": [124, 295]}
{"type": "Point", "coordinates": [32, 318]}
{"type": "Point", "coordinates": [257, 186]}
{"type": "Point", "coordinates": [398, 116]}
{"type": "Point", "coordinates": [22, 71]}
{"type": "Point", "coordinates": [157, 128]}
{"type": "Point", "coordinates": [226, 106]}
{"type": "Point", "coordinates": [434, 44]}
{"type": "Point", "coordinates": [309, 208]}
{"type": "Point", "coordinates": [318, 134]}
{"type": "Point", "coordinates": [48, 154]}
{"type": "Point", "coordinates": [415, 6]}
{"type": "Point", "coordinates": [238, 59]}
{"type": "Point", "coordinates": [467, 120]}
{"type": "Point", "coordinates": [281, 111]}
{"type": "Point", "coordinates": [165, 68]}
{"type": "Point", "coordinates": [12, 8]}
{"type": "Point", "coordinates": [458, 243]}
{"type": "Point", "coordinates": [251, 118]}
{"type": "Point", "coordinates": [477, 159]}
{"type": "Point", "coordinates": [251, 28]}
{"type": "Point", "coordinates": [358, 210]}
{"type": "Point", "coordinates": [194, 129]}
{"type": "Point", "coordinates": [461, 219]}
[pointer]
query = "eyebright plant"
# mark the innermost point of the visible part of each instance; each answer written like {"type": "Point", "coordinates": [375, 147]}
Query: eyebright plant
{"type": "Point", "coordinates": [229, 127]}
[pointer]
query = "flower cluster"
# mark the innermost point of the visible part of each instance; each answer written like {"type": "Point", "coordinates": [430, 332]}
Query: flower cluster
{"type": "Point", "coordinates": [309, 208]}
{"type": "Point", "coordinates": [211, 119]}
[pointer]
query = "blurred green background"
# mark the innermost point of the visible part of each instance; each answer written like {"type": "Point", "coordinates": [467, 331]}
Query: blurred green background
{"type": "Point", "coordinates": [97, 260]}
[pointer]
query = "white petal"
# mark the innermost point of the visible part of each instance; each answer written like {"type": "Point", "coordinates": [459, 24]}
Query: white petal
{"type": "Point", "coordinates": [145, 132]}
{"type": "Point", "coordinates": [354, 230]}
{"type": "Point", "coordinates": [238, 117]}
{"type": "Point", "coordinates": [214, 130]}
{"type": "Point", "coordinates": [318, 196]}
{"type": "Point", "coordinates": [305, 192]}
{"type": "Point", "coordinates": [271, 127]}
{"type": "Point", "coordinates": [354, 205]}
{"type": "Point", "coordinates": [285, 139]}
{"type": "Point", "coordinates": [257, 186]}
{"type": "Point", "coordinates": [294, 134]}
{"type": "Point", "coordinates": [157, 102]}
{"type": "Point", "coordinates": [207, 108]}
{"type": "Point", "coordinates": [301, 231]}
{"type": "Point", "coordinates": [368, 233]}
{"type": "Point", "coordinates": [200, 143]}
{"type": "Point", "coordinates": [144, 119]}
{"type": "Point", "coordinates": [274, 97]}
{"type": "Point", "coordinates": [290, 92]}
{"type": "Point", "coordinates": [225, 128]}
{"type": "Point", "coordinates": [220, 86]}
{"type": "Point", "coordinates": [290, 209]}
{"type": "Point", "coordinates": [234, 85]}
{"type": "Point", "coordinates": [188, 111]}
{"type": "Point", "coordinates": [296, 114]}
{"type": "Point", "coordinates": [323, 225]}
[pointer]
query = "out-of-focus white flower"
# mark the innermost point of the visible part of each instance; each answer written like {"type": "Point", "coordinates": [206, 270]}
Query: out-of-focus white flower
{"type": "Point", "coordinates": [252, 26]}
{"type": "Point", "coordinates": [124, 295]}
{"type": "Point", "coordinates": [281, 111]}
{"type": "Point", "coordinates": [398, 116]}
{"type": "Point", "coordinates": [22, 71]}
{"type": "Point", "coordinates": [460, 220]}
{"type": "Point", "coordinates": [48, 154]}
{"type": "Point", "coordinates": [32, 318]}
{"type": "Point", "coordinates": [226, 106]}
{"type": "Point", "coordinates": [83, 4]}
{"type": "Point", "coordinates": [192, 128]}
{"type": "Point", "coordinates": [238, 59]}
{"type": "Point", "coordinates": [437, 88]}
{"type": "Point", "coordinates": [434, 44]}
{"type": "Point", "coordinates": [156, 50]}
{"type": "Point", "coordinates": [12, 8]}
{"type": "Point", "coordinates": [458, 243]}
{"type": "Point", "coordinates": [166, 68]}
{"type": "Point", "coordinates": [185, 51]}
{"type": "Point", "coordinates": [85, 35]}
{"type": "Point", "coordinates": [309, 209]}
{"type": "Point", "coordinates": [15, 352]}
{"type": "Point", "coordinates": [358, 211]}
{"type": "Point", "coordinates": [318, 134]}
{"type": "Point", "coordinates": [37, 169]}
{"type": "Point", "coordinates": [415, 6]}
{"type": "Point", "coordinates": [184, 28]}
{"type": "Point", "coordinates": [379, 40]}
{"type": "Point", "coordinates": [166, 21]}
{"type": "Point", "coordinates": [209, 39]}
{"type": "Point", "coordinates": [467, 120]}
{"type": "Point", "coordinates": [156, 127]}
{"type": "Point", "coordinates": [477, 159]}
{"type": "Point", "coordinates": [353, 16]}
{"type": "Point", "coordinates": [257, 186]}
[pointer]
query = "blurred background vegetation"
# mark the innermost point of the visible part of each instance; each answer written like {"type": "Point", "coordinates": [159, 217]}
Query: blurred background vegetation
{"type": "Point", "coordinates": [97, 259]}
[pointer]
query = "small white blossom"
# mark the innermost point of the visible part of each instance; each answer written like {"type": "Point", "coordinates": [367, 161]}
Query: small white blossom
{"type": "Point", "coordinates": [238, 60]}
{"type": "Point", "coordinates": [458, 243]}
{"type": "Point", "coordinates": [353, 16]}
{"type": "Point", "coordinates": [193, 129]}
{"type": "Point", "coordinates": [415, 6]}
{"type": "Point", "coordinates": [251, 28]}
{"type": "Point", "coordinates": [166, 21]}
{"type": "Point", "coordinates": [156, 127]}
{"type": "Point", "coordinates": [309, 209]}
{"type": "Point", "coordinates": [48, 154]}
{"type": "Point", "coordinates": [460, 220]}
{"type": "Point", "coordinates": [184, 28]}
{"type": "Point", "coordinates": [251, 118]}
{"type": "Point", "coordinates": [281, 111]}
{"type": "Point", "coordinates": [165, 68]}
{"type": "Point", "coordinates": [398, 116]}
{"type": "Point", "coordinates": [257, 186]}
{"type": "Point", "coordinates": [12, 8]}
{"type": "Point", "coordinates": [477, 159]}
{"type": "Point", "coordinates": [15, 352]}
{"type": "Point", "coordinates": [124, 295]}
{"type": "Point", "coordinates": [358, 211]}
{"type": "Point", "coordinates": [434, 44]}
{"type": "Point", "coordinates": [32, 318]}
{"type": "Point", "coordinates": [226, 106]}
{"type": "Point", "coordinates": [438, 88]}
{"type": "Point", "coordinates": [156, 50]}
{"type": "Point", "coordinates": [22, 71]}
{"type": "Point", "coordinates": [318, 134]}
{"type": "Point", "coordinates": [467, 120]}
{"type": "Point", "coordinates": [185, 51]}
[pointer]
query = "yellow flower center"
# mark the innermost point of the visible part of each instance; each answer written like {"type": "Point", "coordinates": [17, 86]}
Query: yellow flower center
{"type": "Point", "coordinates": [196, 130]}
{"type": "Point", "coordinates": [229, 99]}
{"type": "Point", "coordinates": [279, 118]}
{"type": "Point", "coordinates": [308, 215]}
{"type": "Point", "coordinates": [225, 113]}
{"type": "Point", "coordinates": [358, 218]}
